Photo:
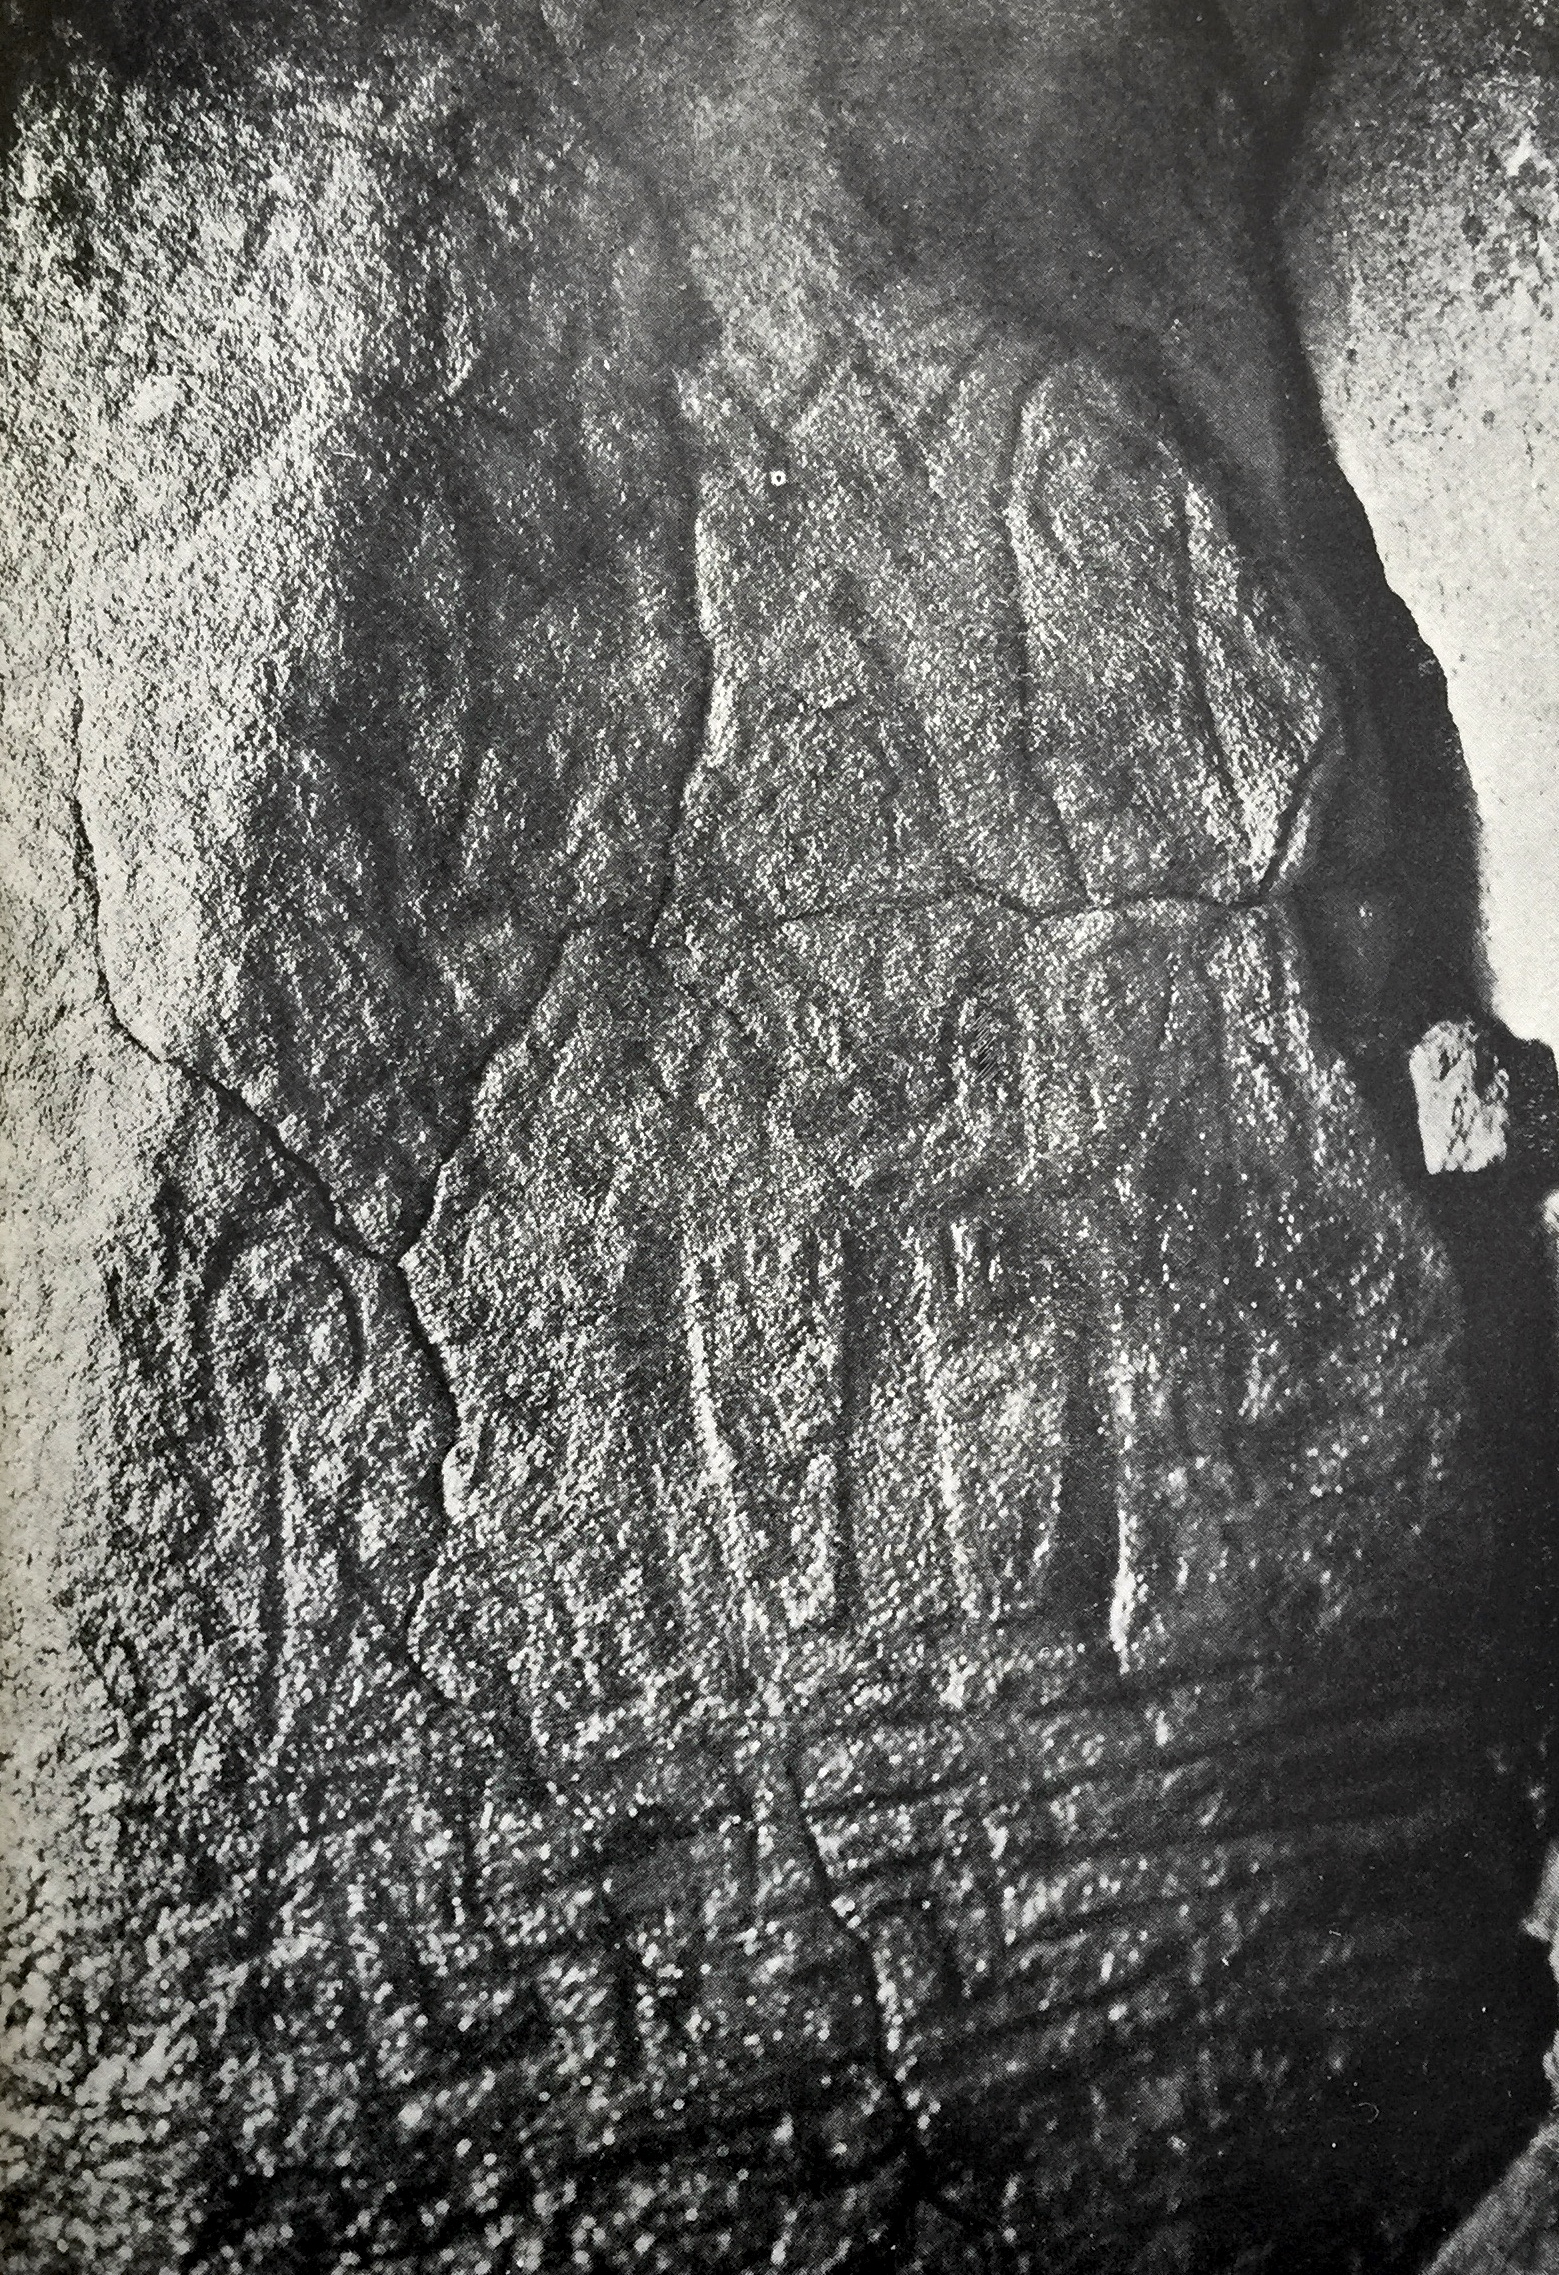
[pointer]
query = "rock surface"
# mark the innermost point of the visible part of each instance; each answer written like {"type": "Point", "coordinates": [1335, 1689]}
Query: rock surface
{"type": "Point", "coordinates": [1515, 2230]}
{"type": "Point", "coordinates": [746, 1526]}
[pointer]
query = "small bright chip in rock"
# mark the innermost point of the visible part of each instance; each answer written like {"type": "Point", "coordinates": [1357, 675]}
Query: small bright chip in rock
{"type": "Point", "coordinates": [1485, 1099]}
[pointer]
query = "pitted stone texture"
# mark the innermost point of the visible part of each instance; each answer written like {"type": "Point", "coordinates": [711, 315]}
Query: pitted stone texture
{"type": "Point", "coordinates": [748, 1418]}
{"type": "Point", "coordinates": [373, 474]}
{"type": "Point", "coordinates": [855, 1396]}
{"type": "Point", "coordinates": [1513, 2230]}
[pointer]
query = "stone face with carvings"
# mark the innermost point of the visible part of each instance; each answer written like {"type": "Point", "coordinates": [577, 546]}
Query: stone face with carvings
{"type": "Point", "coordinates": [746, 1526]}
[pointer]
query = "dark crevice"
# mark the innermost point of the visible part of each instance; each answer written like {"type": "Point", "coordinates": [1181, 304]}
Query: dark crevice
{"type": "Point", "coordinates": [695, 323]}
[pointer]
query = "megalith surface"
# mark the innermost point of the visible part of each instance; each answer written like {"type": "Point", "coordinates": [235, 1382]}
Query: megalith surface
{"type": "Point", "coordinates": [745, 1523]}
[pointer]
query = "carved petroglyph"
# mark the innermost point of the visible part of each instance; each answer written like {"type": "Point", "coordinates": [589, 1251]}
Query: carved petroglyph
{"type": "Point", "coordinates": [748, 1445]}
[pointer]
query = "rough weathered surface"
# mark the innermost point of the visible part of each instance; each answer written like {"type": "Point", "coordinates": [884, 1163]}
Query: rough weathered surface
{"type": "Point", "coordinates": [1515, 2230]}
{"type": "Point", "coordinates": [747, 1525]}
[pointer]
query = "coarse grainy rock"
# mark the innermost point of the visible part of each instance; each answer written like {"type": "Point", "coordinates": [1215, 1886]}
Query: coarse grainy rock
{"type": "Point", "coordinates": [1515, 2229]}
{"type": "Point", "coordinates": [1463, 1096]}
{"type": "Point", "coordinates": [746, 1525]}
{"type": "Point", "coordinates": [1485, 1101]}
